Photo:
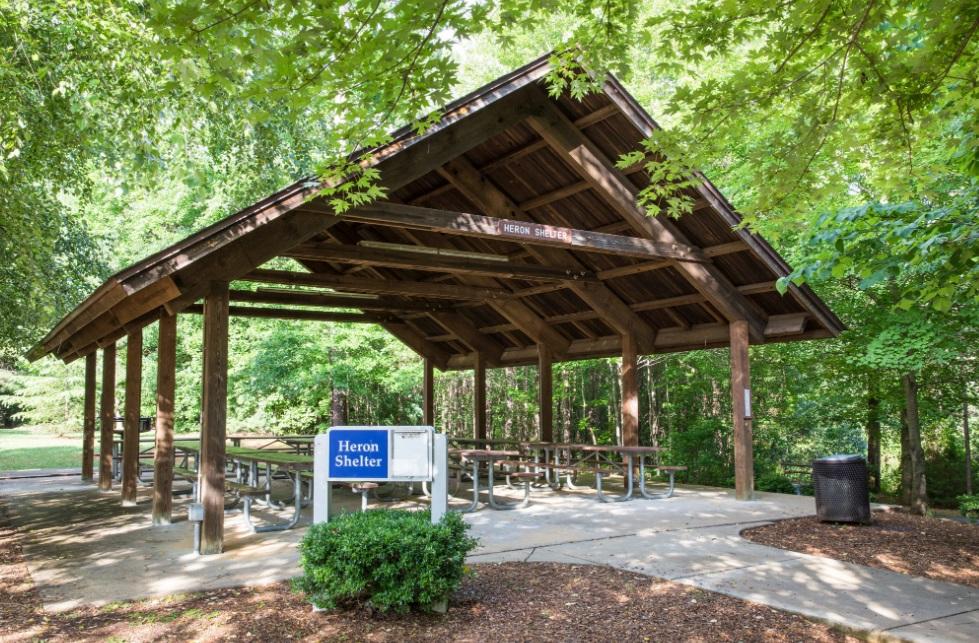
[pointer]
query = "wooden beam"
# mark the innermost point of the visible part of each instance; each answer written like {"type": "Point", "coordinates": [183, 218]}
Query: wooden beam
{"type": "Point", "coordinates": [417, 342]}
{"type": "Point", "coordinates": [791, 324]}
{"type": "Point", "coordinates": [435, 263]}
{"type": "Point", "coordinates": [634, 269]}
{"type": "Point", "coordinates": [295, 314]}
{"type": "Point", "coordinates": [107, 416]}
{"type": "Point", "coordinates": [545, 393]}
{"type": "Point", "coordinates": [464, 329]}
{"type": "Point", "coordinates": [428, 393]}
{"type": "Point", "coordinates": [300, 298]}
{"type": "Point", "coordinates": [728, 248]}
{"type": "Point", "coordinates": [163, 456]}
{"type": "Point", "coordinates": [696, 298]}
{"type": "Point", "coordinates": [600, 298]}
{"type": "Point", "coordinates": [744, 471]}
{"type": "Point", "coordinates": [106, 296]}
{"type": "Point", "coordinates": [382, 286]}
{"type": "Point", "coordinates": [668, 340]}
{"type": "Point", "coordinates": [585, 121]}
{"type": "Point", "coordinates": [214, 417]}
{"type": "Point", "coordinates": [474, 225]}
{"type": "Point", "coordinates": [130, 438]}
{"type": "Point", "coordinates": [630, 392]}
{"type": "Point", "coordinates": [479, 397]}
{"type": "Point", "coordinates": [88, 422]}
{"type": "Point", "coordinates": [518, 313]}
{"type": "Point", "coordinates": [609, 182]}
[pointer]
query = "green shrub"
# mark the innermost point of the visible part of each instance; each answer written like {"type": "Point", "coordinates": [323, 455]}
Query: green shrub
{"type": "Point", "coordinates": [389, 559]}
{"type": "Point", "coordinates": [969, 505]}
{"type": "Point", "coordinates": [774, 482]}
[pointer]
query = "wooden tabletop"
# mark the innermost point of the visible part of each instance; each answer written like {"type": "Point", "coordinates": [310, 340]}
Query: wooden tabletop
{"type": "Point", "coordinates": [282, 460]}
{"type": "Point", "coordinates": [483, 454]}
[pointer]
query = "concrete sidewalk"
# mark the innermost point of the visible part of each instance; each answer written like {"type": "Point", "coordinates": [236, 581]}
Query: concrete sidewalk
{"type": "Point", "coordinates": [695, 539]}
{"type": "Point", "coordinates": [80, 543]}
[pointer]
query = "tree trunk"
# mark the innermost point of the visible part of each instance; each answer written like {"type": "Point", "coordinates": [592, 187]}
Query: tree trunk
{"type": "Point", "coordinates": [968, 446]}
{"type": "Point", "coordinates": [873, 432]}
{"type": "Point", "coordinates": [904, 496]}
{"type": "Point", "coordinates": [918, 501]}
{"type": "Point", "coordinates": [338, 407]}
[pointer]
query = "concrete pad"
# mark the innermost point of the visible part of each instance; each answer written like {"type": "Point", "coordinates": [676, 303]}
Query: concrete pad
{"type": "Point", "coordinates": [959, 628]}
{"type": "Point", "coordinates": [560, 517]}
{"type": "Point", "coordinates": [82, 547]}
{"type": "Point", "coordinates": [858, 596]}
{"type": "Point", "coordinates": [676, 554]}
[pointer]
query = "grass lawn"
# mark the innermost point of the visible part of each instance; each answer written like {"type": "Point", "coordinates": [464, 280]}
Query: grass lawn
{"type": "Point", "coordinates": [31, 449]}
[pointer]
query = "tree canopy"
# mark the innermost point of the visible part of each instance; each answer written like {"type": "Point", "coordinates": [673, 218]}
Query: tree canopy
{"type": "Point", "coordinates": [845, 132]}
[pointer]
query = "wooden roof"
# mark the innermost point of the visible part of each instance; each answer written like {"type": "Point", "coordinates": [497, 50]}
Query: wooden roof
{"type": "Point", "coordinates": [505, 226]}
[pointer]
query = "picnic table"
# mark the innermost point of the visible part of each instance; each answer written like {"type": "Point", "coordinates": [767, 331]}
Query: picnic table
{"type": "Point", "coordinates": [490, 457]}
{"type": "Point", "coordinates": [246, 486]}
{"type": "Point", "coordinates": [117, 445]}
{"type": "Point", "coordinates": [595, 457]}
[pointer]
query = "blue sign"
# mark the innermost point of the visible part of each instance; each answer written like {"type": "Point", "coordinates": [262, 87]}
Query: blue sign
{"type": "Point", "coordinates": [358, 454]}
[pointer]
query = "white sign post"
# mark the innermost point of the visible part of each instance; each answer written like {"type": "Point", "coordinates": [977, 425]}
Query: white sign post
{"type": "Point", "coordinates": [379, 454]}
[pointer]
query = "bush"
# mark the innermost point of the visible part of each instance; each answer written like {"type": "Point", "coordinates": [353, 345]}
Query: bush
{"type": "Point", "coordinates": [969, 505]}
{"type": "Point", "coordinates": [388, 559]}
{"type": "Point", "coordinates": [774, 482]}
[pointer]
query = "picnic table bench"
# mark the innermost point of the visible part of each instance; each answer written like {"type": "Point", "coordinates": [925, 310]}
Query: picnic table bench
{"type": "Point", "coordinates": [798, 474]}
{"type": "Point", "coordinates": [597, 460]}
{"type": "Point", "coordinates": [245, 486]}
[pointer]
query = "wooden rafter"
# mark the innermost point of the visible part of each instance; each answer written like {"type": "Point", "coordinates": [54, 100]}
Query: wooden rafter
{"type": "Point", "coordinates": [380, 286]}
{"type": "Point", "coordinates": [295, 313]}
{"type": "Point", "coordinates": [489, 227]}
{"type": "Point", "coordinates": [518, 313]}
{"type": "Point", "coordinates": [593, 166]}
{"type": "Point", "coordinates": [300, 298]}
{"type": "Point", "coordinates": [436, 263]}
{"type": "Point", "coordinates": [699, 336]}
{"type": "Point", "coordinates": [599, 297]}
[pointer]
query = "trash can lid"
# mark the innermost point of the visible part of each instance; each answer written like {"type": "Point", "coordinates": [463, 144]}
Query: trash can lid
{"type": "Point", "coordinates": [840, 458]}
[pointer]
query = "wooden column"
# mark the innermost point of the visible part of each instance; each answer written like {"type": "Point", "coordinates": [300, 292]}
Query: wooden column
{"type": "Point", "coordinates": [214, 416]}
{"type": "Point", "coordinates": [744, 471]}
{"type": "Point", "coordinates": [630, 392]}
{"type": "Point", "coordinates": [545, 393]}
{"type": "Point", "coordinates": [165, 392]}
{"type": "Point", "coordinates": [107, 414]}
{"type": "Point", "coordinates": [130, 438]}
{"type": "Point", "coordinates": [428, 394]}
{"type": "Point", "coordinates": [88, 428]}
{"type": "Point", "coordinates": [479, 396]}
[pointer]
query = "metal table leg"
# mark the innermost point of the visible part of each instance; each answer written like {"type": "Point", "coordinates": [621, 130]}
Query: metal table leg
{"type": "Point", "coordinates": [628, 491]}
{"type": "Point", "coordinates": [475, 503]}
{"type": "Point", "coordinates": [279, 526]}
{"type": "Point", "coordinates": [503, 505]}
{"type": "Point", "coordinates": [642, 483]}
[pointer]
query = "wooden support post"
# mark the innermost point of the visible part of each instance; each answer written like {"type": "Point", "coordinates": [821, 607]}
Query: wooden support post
{"type": "Point", "coordinates": [545, 393]}
{"type": "Point", "coordinates": [165, 392]}
{"type": "Point", "coordinates": [630, 392]}
{"type": "Point", "coordinates": [428, 394]}
{"type": "Point", "coordinates": [479, 396]}
{"type": "Point", "coordinates": [88, 428]}
{"type": "Point", "coordinates": [214, 416]}
{"type": "Point", "coordinates": [744, 471]}
{"type": "Point", "coordinates": [107, 414]}
{"type": "Point", "coordinates": [130, 438]}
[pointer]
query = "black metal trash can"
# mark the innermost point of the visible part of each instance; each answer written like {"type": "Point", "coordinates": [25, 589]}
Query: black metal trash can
{"type": "Point", "coordinates": [841, 487]}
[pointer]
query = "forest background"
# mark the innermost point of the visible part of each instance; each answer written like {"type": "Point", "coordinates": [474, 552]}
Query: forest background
{"type": "Point", "coordinates": [844, 132]}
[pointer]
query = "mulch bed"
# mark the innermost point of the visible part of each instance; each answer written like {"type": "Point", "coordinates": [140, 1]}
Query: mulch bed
{"type": "Point", "coordinates": [500, 602]}
{"type": "Point", "coordinates": [935, 548]}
